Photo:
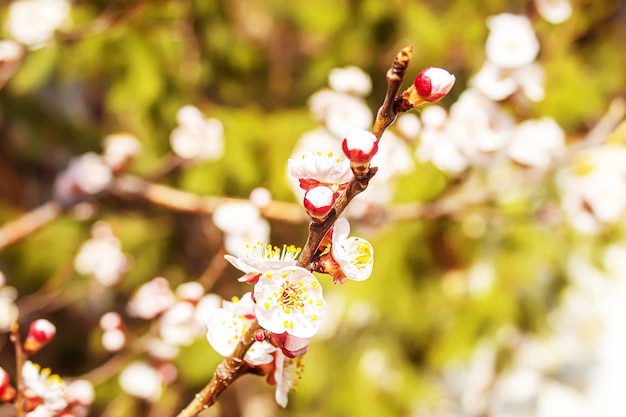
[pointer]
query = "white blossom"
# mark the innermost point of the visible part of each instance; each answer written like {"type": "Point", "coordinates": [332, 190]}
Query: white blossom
{"type": "Point", "coordinates": [102, 256]}
{"type": "Point", "coordinates": [289, 300]}
{"type": "Point", "coordinates": [141, 380]}
{"type": "Point", "coordinates": [33, 22]}
{"type": "Point", "coordinates": [512, 42]}
{"type": "Point", "coordinates": [86, 174]}
{"type": "Point", "coordinates": [554, 11]}
{"type": "Point", "coordinates": [151, 299]}
{"type": "Point", "coordinates": [43, 384]}
{"type": "Point", "coordinates": [536, 142]}
{"type": "Point", "coordinates": [226, 326]}
{"type": "Point", "coordinates": [197, 137]}
{"type": "Point", "coordinates": [11, 55]}
{"type": "Point", "coordinates": [351, 80]}
{"type": "Point", "coordinates": [315, 168]}
{"type": "Point", "coordinates": [340, 112]}
{"type": "Point", "coordinates": [242, 224]}
{"type": "Point", "coordinates": [119, 148]}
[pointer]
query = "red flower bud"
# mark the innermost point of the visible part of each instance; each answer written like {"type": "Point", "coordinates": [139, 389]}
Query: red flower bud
{"type": "Point", "coordinates": [7, 392]}
{"type": "Point", "coordinates": [318, 201]}
{"type": "Point", "coordinates": [360, 146]}
{"type": "Point", "coordinates": [40, 333]}
{"type": "Point", "coordinates": [432, 84]}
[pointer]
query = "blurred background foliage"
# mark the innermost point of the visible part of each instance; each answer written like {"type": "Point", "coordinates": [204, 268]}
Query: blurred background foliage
{"type": "Point", "coordinates": [129, 66]}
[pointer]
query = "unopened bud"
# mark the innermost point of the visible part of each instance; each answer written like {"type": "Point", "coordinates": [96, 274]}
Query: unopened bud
{"type": "Point", "coordinates": [318, 201]}
{"type": "Point", "coordinates": [7, 392]}
{"type": "Point", "coordinates": [40, 333]}
{"type": "Point", "coordinates": [432, 84]}
{"type": "Point", "coordinates": [360, 146]}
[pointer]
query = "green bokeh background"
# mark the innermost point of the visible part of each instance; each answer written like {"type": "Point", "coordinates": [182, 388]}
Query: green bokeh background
{"type": "Point", "coordinates": [253, 65]}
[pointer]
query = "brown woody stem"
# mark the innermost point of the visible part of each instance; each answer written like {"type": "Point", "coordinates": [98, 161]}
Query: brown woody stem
{"type": "Point", "coordinates": [228, 371]}
{"type": "Point", "coordinates": [20, 358]}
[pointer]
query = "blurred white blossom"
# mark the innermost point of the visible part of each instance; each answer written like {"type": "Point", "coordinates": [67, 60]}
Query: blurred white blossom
{"type": "Point", "coordinates": [102, 256]}
{"type": "Point", "coordinates": [33, 22]}
{"type": "Point", "coordinates": [151, 299]}
{"type": "Point", "coordinates": [351, 80]}
{"type": "Point", "coordinates": [340, 112]}
{"type": "Point", "coordinates": [242, 224]}
{"type": "Point", "coordinates": [86, 174]}
{"type": "Point", "coordinates": [512, 42]}
{"type": "Point", "coordinates": [554, 11]}
{"type": "Point", "coordinates": [141, 380]}
{"type": "Point", "coordinates": [11, 55]}
{"type": "Point", "coordinates": [119, 148]}
{"type": "Point", "coordinates": [8, 310]}
{"type": "Point", "coordinates": [536, 142]}
{"type": "Point", "coordinates": [197, 137]}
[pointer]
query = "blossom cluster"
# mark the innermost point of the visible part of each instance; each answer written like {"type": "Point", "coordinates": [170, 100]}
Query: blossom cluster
{"type": "Point", "coordinates": [287, 302]}
{"type": "Point", "coordinates": [41, 393]}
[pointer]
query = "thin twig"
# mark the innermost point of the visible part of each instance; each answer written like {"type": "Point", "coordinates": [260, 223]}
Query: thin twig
{"type": "Point", "coordinates": [395, 76]}
{"type": "Point", "coordinates": [17, 229]}
{"type": "Point", "coordinates": [228, 371]}
{"type": "Point", "coordinates": [20, 359]}
{"type": "Point", "coordinates": [182, 201]}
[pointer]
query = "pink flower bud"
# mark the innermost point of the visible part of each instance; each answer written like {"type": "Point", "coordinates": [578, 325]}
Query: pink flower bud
{"type": "Point", "coordinates": [291, 346]}
{"type": "Point", "coordinates": [318, 201]}
{"type": "Point", "coordinates": [360, 146]}
{"type": "Point", "coordinates": [40, 333]}
{"type": "Point", "coordinates": [7, 392]}
{"type": "Point", "coordinates": [432, 84]}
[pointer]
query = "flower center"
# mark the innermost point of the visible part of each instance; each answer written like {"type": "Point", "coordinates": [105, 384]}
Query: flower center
{"type": "Point", "coordinates": [363, 256]}
{"type": "Point", "coordinates": [292, 297]}
{"type": "Point", "coordinates": [274, 253]}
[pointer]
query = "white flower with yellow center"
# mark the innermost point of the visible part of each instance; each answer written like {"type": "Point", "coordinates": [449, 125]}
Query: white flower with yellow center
{"type": "Point", "coordinates": [349, 257]}
{"type": "Point", "coordinates": [316, 168]}
{"type": "Point", "coordinates": [227, 325]}
{"type": "Point", "coordinates": [44, 386]}
{"type": "Point", "coordinates": [287, 375]}
{"type": "Point", "coordinates": [289, 300]}
{"type": "Point", "coordinates": [261, 257]}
